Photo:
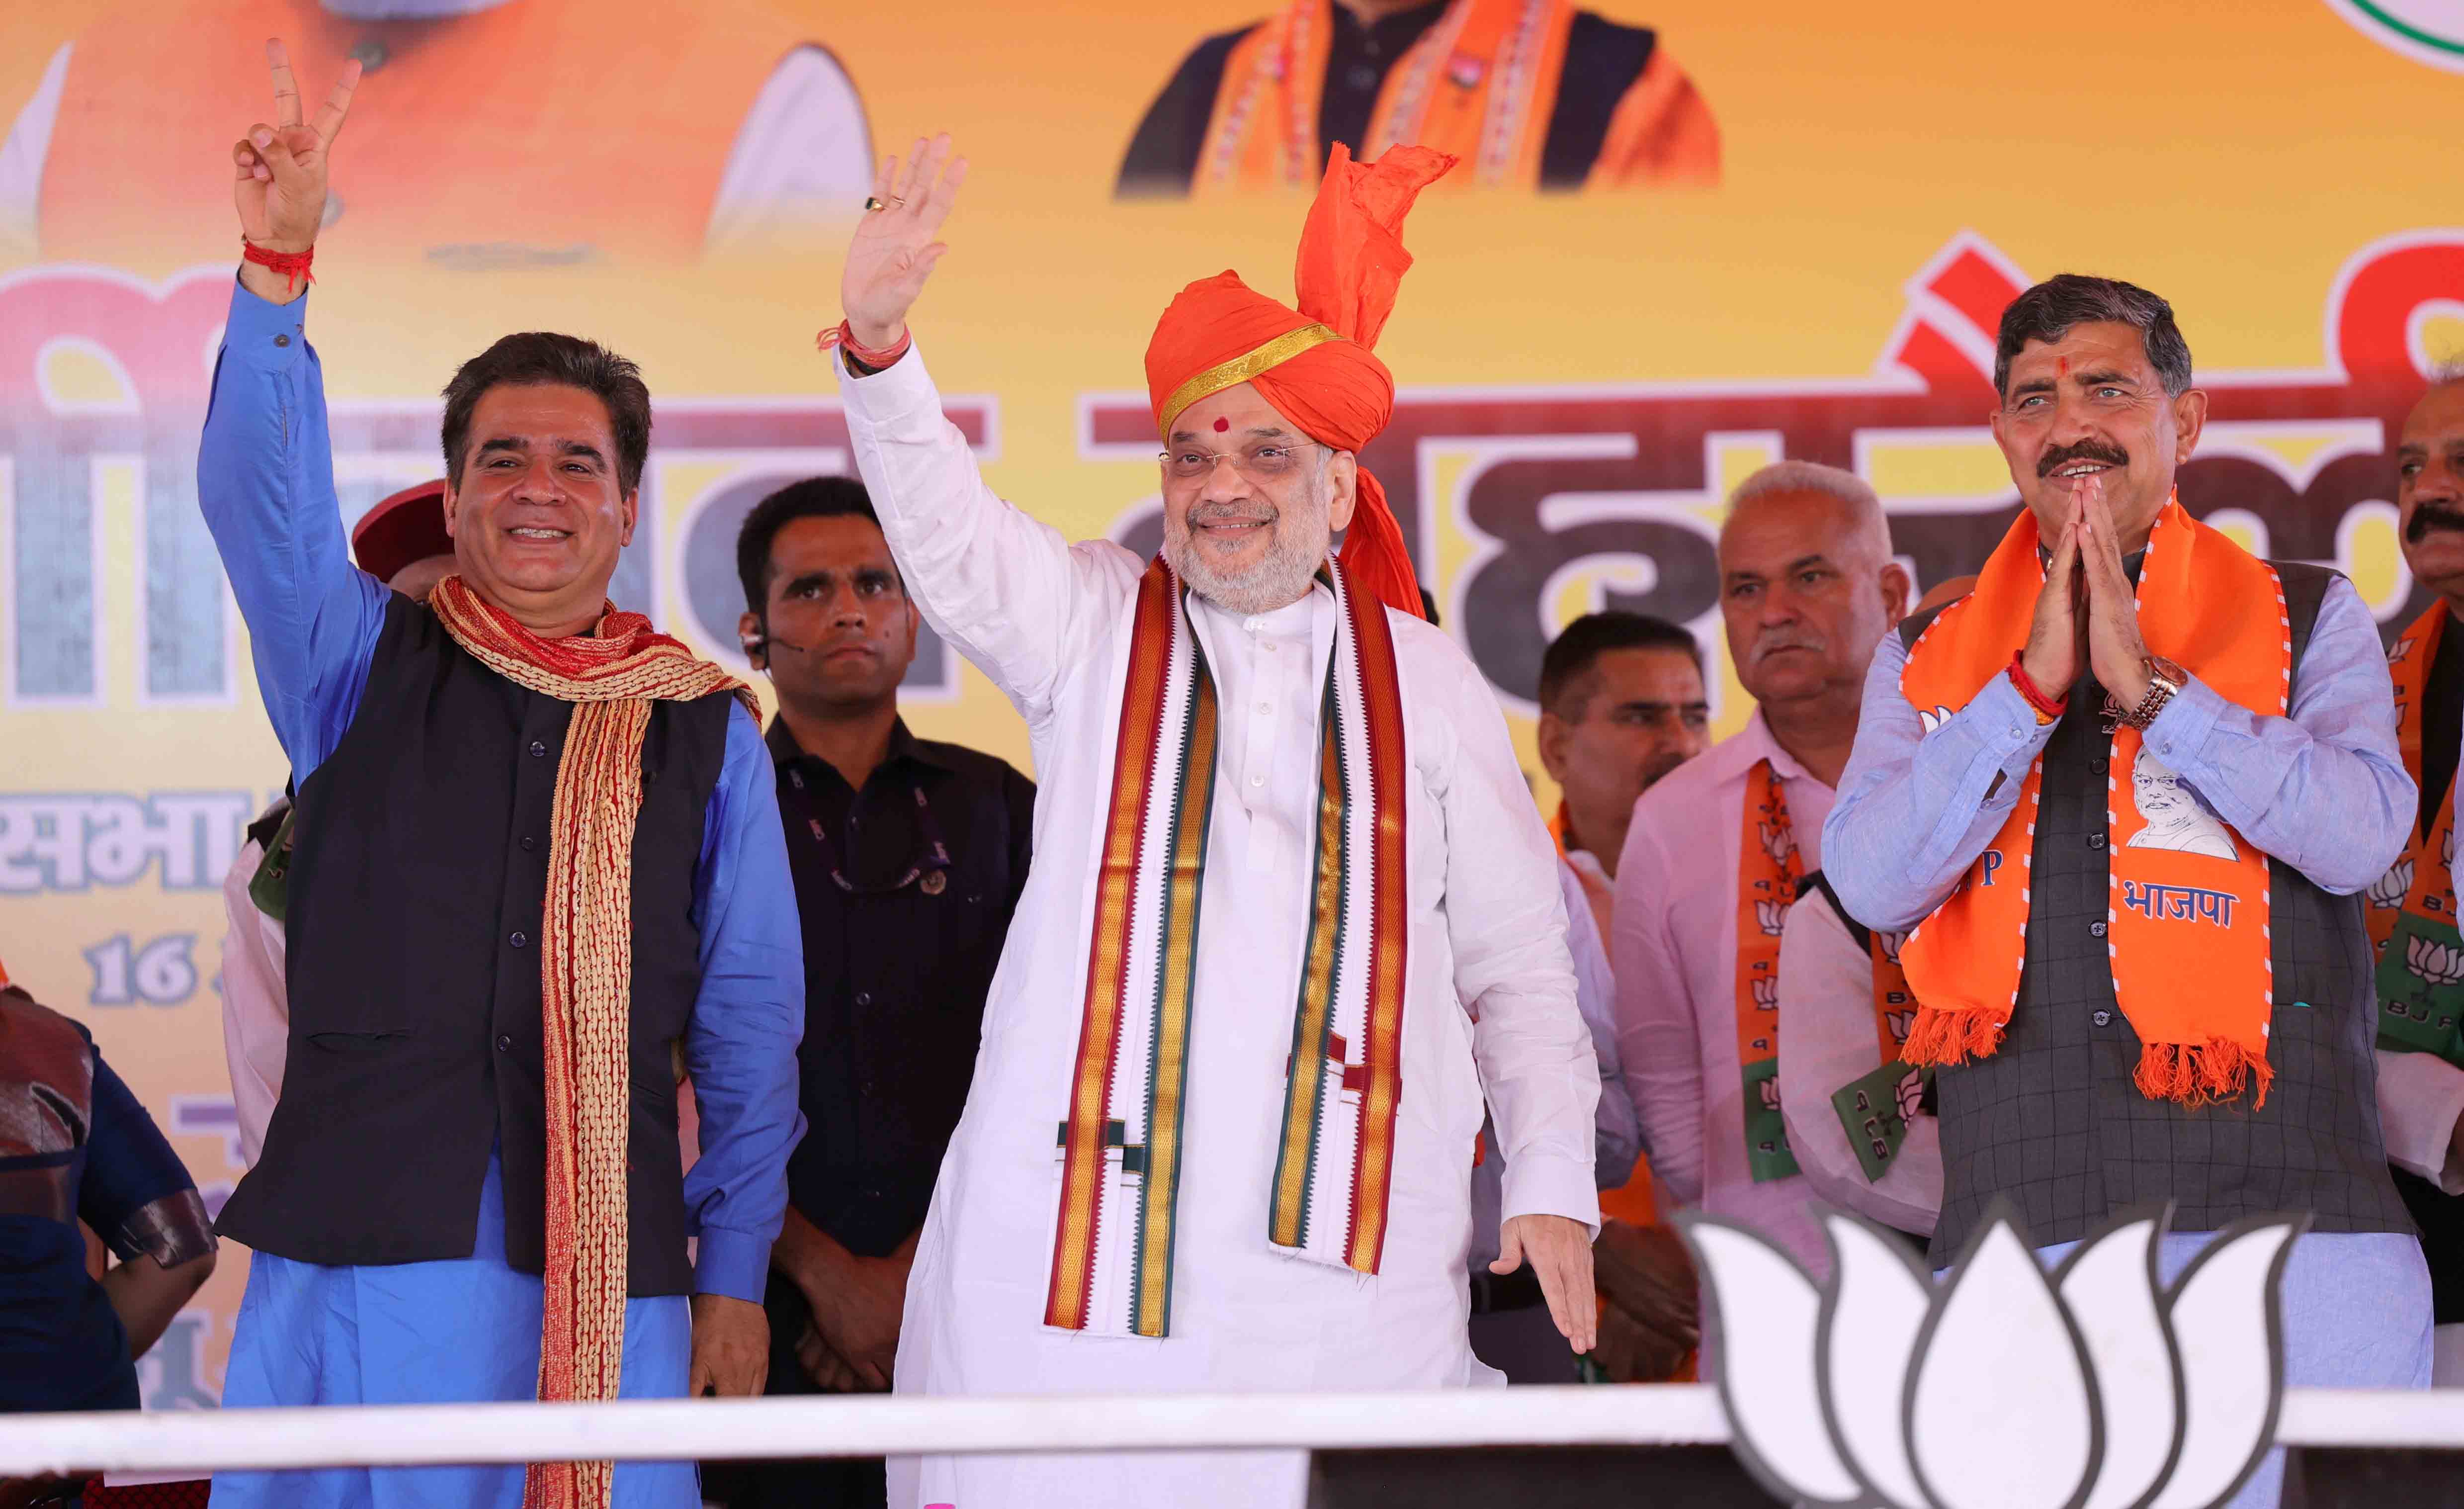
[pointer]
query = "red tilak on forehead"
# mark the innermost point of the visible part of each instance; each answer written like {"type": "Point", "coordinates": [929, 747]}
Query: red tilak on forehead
{"type": "Point", "coordinates": [1222, 425]}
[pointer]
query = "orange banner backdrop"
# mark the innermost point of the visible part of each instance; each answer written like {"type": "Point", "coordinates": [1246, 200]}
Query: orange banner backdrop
{"type": "Point", "coordinates": [1688, 238]}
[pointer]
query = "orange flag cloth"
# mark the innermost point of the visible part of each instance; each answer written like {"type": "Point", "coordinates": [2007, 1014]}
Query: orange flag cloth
{"type": "Point", "coordinates": [1314, 363]}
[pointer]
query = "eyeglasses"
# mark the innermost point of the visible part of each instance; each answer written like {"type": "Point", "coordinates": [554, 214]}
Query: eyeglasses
{"type": "Point", "coordinates": [1263, 461]}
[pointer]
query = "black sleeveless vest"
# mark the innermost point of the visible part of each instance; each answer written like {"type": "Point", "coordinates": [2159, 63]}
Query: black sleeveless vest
{"type": "Point", "coordinates": [418, 883]}
{"type": "Point", "coordinates": [2051, 1120]}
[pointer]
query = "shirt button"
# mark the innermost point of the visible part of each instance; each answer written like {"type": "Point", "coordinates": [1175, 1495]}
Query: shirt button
{"type": "Point", "coordinates": [538, 750]}
{"type": "Point", "coordinates": [1257, 780]}
{"type": "Point", "coordinates": [2096, 930]}
{"type": "Point", "coordinates": [282, 340]}
{"type": "Point", "coordinates": [2102, 1019]}
{"type": "Point", "coordinates": [504, 1045]}
{"type": "Point", "coordinates": [519, 940]}
{"type": "Point", "coordinates": [1362, 77]}
{"type": "Point", "coordinates": [1267, 646]}
{"type": "Point", "coordinates": [864, 998]}
{"type": "Point", "coordinates": [1266, 708]}
{"type": "Point", "coordinates": [2095, 840]}
{"type": "Point", "coordinates": [529, 843]}
{"type": "Point", "coordinates": [2097, 765]}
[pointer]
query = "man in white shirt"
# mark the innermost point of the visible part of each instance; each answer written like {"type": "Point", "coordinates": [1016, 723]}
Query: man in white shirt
{"type": "Point", "coordinates": [1276, 784]}
{"type": "Point", "coordinates": [1711, 861]}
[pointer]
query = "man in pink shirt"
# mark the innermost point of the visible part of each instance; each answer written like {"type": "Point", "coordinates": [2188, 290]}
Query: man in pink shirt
{"type": "Point", "coordinates": [402, 542]}
{"type": "Point", "coordinates": [1808, 587]}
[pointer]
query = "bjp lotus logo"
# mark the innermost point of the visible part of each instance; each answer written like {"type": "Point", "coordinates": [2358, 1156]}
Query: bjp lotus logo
{"type": "Point", "coordinates": [2439, 963]}
{"type": "Point", "coordinates": [1770, 917]}
{"type": "Point", "coordinates": [1999, 1388]}
{"type": "Point", "coordinates": [2391, 888]}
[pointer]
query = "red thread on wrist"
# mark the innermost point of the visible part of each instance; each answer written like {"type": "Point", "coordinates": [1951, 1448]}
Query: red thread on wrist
{"type": "Point", "coordinates": [843, 336]}
{"type": "Point", "coordinates": [292, 265]}
{"type": "Point", "coordinates": [2047, 708]}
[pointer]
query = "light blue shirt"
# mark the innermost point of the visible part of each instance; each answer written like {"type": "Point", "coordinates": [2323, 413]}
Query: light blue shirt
{"type": "Point", "coordinates": [2323, 790]}
{"type": "Point", "coordinates": [265, 478]}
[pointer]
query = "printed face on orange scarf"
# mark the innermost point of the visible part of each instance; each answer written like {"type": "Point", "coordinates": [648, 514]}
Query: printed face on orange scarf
{"type": "Point", "coordinates": [1250, 502]}
{"type": "Point", "coordinates": [539, 516]}
{"type": "Point", "coordinates": [2429, 490]}
{"type": "Point", "coordinates": [2091, 404]}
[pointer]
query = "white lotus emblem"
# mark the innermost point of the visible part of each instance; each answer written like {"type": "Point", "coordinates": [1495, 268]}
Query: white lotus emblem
{"type": "Point", "coordinates": [1999, 1389]}
{"type": "Point", "coordinates": [2391, 888]}
{"type": "Point", "coordinates": [1778, 842]}
{"type": "Point", "coordinates": [1901, 1024]}
{"type": "Point", "coordinates": [1767, 993]}
{"type": "Point", "coordinates": [1770, 917]}
{"type": "Point", "coordinates": [2439, 963]}
{"type": "Point", "coordinates": [1929, 721]}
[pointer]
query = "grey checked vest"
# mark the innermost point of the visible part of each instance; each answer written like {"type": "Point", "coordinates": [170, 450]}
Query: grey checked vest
{"type": "Point", "coordinates": [2051, 1121]}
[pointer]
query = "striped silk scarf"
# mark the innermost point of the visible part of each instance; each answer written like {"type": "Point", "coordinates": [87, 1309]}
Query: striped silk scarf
{"type": "Point", "coordinates": [1120, 1150]}
{"type": "Point", "coordinates": [612, 676]}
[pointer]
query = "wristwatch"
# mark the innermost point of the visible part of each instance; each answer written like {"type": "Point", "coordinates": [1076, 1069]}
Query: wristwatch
{"type": "Point", "coordinates": [2164, 678]}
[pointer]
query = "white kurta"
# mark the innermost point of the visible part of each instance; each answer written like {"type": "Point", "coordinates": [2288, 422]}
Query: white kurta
{"type": "Point", "coordinates": [1049, 623]}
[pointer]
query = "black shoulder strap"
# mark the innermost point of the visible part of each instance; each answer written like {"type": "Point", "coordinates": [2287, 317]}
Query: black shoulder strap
{"type": "Point", "coordinates": [1814, 884]}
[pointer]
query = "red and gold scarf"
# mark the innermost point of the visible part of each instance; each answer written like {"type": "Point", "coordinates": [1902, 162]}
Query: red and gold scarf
{"type": "Point", "coordinates": [1119, 1152]}
{"type": "Point", "coordinates": [2187, 916]}
{"type": "Point", "coordinates": [2412, 906]}
{"type": "Point", "coordinates": [612, 676]}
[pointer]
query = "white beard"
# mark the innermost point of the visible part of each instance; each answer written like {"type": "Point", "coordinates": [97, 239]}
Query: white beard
{"type": "Point", "coordinates": [1281, 578]}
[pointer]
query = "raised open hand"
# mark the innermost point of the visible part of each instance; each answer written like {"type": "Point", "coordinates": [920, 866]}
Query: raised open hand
{"type": "Point", "coordinates": [894, 250]}
{"type": "Point", "coordinates": [280, 187]}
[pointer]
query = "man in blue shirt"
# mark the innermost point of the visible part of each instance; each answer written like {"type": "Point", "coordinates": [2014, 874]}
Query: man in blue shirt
{"type": "Point", "coordinates": [538, 861]}
{"type": "Point", "coordinates": [2087, 759]}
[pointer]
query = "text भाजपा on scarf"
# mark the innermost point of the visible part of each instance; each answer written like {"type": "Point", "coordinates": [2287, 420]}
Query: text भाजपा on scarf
{"type": "Point", "coordinates": [2187, 912]}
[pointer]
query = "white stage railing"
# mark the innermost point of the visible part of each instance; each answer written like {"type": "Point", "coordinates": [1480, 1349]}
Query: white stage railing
{"type": "Point", "coordinates": [1665, 1414]}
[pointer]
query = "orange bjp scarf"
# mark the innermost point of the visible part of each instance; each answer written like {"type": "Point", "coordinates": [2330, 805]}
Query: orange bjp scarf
{"type": "Point", "coordinates": [612, 676]}
{"type": "Point", "coordinates": [2187, 916]}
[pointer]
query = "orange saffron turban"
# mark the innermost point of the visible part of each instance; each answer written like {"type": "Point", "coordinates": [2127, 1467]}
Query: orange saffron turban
{"type": "Point", "coordinates": [1314, 363]}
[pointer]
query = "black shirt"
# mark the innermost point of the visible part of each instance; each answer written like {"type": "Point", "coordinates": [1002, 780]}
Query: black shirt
{"type": "Point", "coordinates": [2440, 1215]}
{"type": "Point", "coordinates": [895, 979]}
{"type": "Point", "coordinates": [1602, 61]}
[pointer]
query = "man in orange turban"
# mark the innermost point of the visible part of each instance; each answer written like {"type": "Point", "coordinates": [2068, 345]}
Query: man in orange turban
{"type": "Point", "coordinates": [1293, 926]}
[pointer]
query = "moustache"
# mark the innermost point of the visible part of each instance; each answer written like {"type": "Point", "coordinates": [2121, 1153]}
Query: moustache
{"type": "Point", "coordinates": [2432, 516]}
{"type": "Point", "coordinates": [1772, 645]}
{"type": "Point", "coordinates": [2061, 456]}
{"type": "Point", "coordinates": [1231, 513]}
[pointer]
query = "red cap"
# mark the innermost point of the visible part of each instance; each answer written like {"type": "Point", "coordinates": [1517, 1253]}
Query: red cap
{"type": "Point", "coordinates": [407, 527]}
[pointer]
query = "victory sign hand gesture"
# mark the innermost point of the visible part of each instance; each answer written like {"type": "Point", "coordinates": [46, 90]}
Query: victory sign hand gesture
{"type": "Point", "coordinates": [280, 183]}
{"type": "Point", "coordinates": [894, 250]}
